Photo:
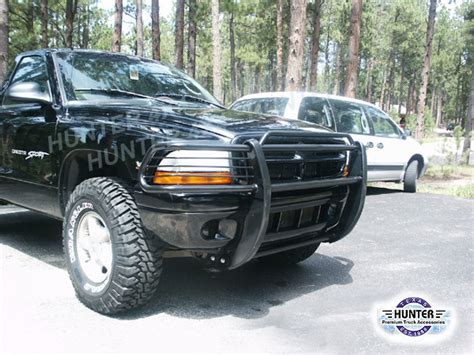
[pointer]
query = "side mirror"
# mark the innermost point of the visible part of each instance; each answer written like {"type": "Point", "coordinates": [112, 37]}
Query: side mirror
{"type": "Point", "coordinates": [407, 132]}
{"type": "Point", "coordinates": [28, 92]}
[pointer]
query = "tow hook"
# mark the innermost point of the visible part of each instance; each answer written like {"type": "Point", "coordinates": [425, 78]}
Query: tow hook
{"type": "Point", "coordinates": [217, 262]}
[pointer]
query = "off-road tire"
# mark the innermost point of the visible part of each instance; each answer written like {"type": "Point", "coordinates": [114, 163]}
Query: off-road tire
{"type": "Point", "coordinates": [411, 174]}
{"type": "Point", "coordinates": [291, 257]}
{"type": "Point", "coordinates": [136, 258]}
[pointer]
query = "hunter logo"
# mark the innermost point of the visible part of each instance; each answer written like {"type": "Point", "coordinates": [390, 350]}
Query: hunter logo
{"type": "Point", "coordinates": [413, 317]}
{"type": "Point", "coordinates": [31, 154]}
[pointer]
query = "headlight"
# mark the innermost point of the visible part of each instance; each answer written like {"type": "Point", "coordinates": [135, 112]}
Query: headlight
{"type": "Point", "coordinates": [194, 167]}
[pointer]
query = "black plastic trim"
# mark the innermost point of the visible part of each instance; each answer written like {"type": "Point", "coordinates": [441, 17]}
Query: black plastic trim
{"type": "Point", "coordinates": [290, 246]}
{"type": "Point", "coordinates": [272, 237]}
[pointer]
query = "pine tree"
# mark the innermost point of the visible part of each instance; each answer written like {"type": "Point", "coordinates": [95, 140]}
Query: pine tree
{"type": "Point", "coordinates": [117, 39]}
{"type": "Point", "coordinates": [296, 44]}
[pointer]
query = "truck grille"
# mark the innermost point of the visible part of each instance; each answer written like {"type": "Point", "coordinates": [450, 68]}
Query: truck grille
{"type": "Point", "coordinates": [291, 165]}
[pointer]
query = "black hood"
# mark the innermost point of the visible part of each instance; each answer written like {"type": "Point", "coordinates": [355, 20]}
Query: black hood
{"type": "Point", "coordinates": [146, 115]}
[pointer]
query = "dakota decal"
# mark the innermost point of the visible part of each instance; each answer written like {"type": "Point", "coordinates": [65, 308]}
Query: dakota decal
{"type": "Point", "coordinates": [31, 154]}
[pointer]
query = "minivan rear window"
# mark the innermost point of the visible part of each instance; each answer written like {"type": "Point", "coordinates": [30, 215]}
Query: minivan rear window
{"type": "Point", "coordinates": [269, 105]}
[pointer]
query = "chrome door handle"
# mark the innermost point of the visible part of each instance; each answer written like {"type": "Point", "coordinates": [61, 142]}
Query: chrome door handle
{"type": "Point", "coordinates": [380, 145]}
{"type": "Point", "coordinates": [369, 145]}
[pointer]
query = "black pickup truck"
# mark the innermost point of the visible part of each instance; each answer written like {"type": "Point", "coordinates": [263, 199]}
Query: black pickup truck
{"type": "Point", "coordinates": [141, 163]}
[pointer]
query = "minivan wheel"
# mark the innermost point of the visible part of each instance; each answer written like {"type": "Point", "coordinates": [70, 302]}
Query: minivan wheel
{"type": "Point", "coordinates": [411, 174]}
{"type": "Point", "coordinates": [112, 264]}
{"type": "Point", "coordinates": [290, 257]}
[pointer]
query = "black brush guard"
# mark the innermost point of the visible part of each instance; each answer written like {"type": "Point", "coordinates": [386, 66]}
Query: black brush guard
{"type": "Point", "coordinates": [255, 228]}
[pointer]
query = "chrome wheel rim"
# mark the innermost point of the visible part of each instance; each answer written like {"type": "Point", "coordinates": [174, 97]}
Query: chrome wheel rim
{"type": "Point", "coordinates": [94, 247]}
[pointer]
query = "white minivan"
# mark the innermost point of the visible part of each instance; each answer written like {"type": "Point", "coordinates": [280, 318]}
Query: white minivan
{"type": "Point", "coordinates": [391, 154]}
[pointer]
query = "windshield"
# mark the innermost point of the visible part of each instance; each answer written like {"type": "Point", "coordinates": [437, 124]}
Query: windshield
{"type": "Point", "coordinates": [93, 76]}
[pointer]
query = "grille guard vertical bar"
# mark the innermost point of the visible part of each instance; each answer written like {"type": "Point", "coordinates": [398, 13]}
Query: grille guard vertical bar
{"type": "Point", "coordinates": [356, 199]}
{"type": "Point", "coordinates": [256, 221]}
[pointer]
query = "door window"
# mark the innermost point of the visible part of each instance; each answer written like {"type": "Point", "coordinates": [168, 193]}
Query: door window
{"type": "Point", "coordinates": [315, 110]}
{"type": "Point", "coordinates": [30, 69]}
{"type": "Point", "coordinates": [269, 105]}
{"type": "Point", "coordinates": [350, 118]}
{"type": "Point", "coordinates": [383, 125]}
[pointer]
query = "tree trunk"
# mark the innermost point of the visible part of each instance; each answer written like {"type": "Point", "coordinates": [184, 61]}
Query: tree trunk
{"type": "Point", "coordinates": [296, 44]}
{"type": "Point", "coordinates": [191, 68]}
{"type": "Point", "coordinates": [468, 125]}
{"type": "Point", "coordinates": [461, 121]}
{"type": "Point", "coordinates": [85, 33]}
{"type": "Point", "coordinates": [368, 86]}
{"type": "Point", "coordinates": [420, 119]}
{"type": "Point", "coordinates": [279, 40]}
{"type": "Point", "coordinates": [29, 15]}
{"type": "Point", "coordinates": [216, 45]}
{"type": "Point", "coordinates": [241, 79]}
{"type": "Point", "coordinates": [44, 23]}
{"type": "Point", "coordinates": [388, 103]}
{"type": "Point", "coordinates": [433, 101]}
{"type": "Point", "coordinates": [313, 76]}
{"type": "Point", "coordinates": [79, 26]}
{"type": "Point", "coordinates": [139, 4]}
{"type": "Point", "coordinates": [327, 62]}
{"type": "Point", "coordinates": [71, 9]}
{"type": "Point", "coordinates": [257, 84]}
{"type": "Point", "coordinates": [350, 88]}
{"type": "Point", "coordinates": [337, 76]}
{"type": "Point", "coordinates": [4, 33]}
{"type": "Point", "coordinates": [416, 93]}
{"type": "Point", "coordinates": [391, 81]}
{"type": "Point", "coordinates": [400, 88]}
{"type": "Point", "coordinates": [233, 79]}
{"type": "Point", "coordinates": [382, 92]}
{"type": "Point", "coordinates": [458, 95]}
{"type": "Point", "coordinates": [272, 71]}
{"type": "Point", "coordinates": [179, 34]}
{"type": "Point", "coordinates": [439, 109]}
{"type": "Point", "coordinates": [155, 30]}
{"type": "Point", "coordinates": [391, 65]}
{"type": "Point", "coordinates": [411, 88]}
{"type": "Point", "coordinates": [306, 72]}
{"type": "Point", "coordinates": [117, 41]}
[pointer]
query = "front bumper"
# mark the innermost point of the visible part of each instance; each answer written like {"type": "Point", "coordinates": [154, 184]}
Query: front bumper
{"type": "Point", "coordinates": [236, 223]}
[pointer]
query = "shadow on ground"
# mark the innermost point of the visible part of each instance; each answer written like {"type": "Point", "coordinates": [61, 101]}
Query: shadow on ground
{"type": "Point", "coordinates": [33, 234]}
{"type": "Point", "coordinates": [186, 289]}
{"type": "Point", "coordinates": [371, 190]}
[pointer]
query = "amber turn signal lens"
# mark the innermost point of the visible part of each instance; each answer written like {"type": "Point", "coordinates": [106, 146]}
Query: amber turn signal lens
{"type": "Point", "coordinates": [345, 172]}
{"type": "Point", "coordinates": [192, 178]}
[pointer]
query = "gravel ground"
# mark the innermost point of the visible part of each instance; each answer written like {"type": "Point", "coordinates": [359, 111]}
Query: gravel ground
{"type": "Point", "coordinates": [438, 150]}
{"type": "Point", "coordinates": [404, 243]}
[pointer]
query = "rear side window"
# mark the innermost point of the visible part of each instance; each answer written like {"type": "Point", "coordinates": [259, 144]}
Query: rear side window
{"type": "Point", "coordinates": [269, 106]}
{"type": "Point", "coordinates": [383, 125]}
{"type": "Point", "coordinates": [350, 117]}
{"type": "Point", "coordinates": [315, 110]}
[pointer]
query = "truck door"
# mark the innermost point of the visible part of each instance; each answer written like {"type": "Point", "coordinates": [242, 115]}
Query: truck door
{"type": "Point", "coordinates": [27, 174]}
